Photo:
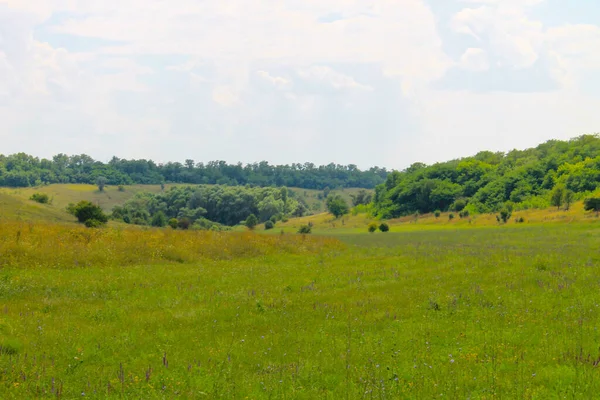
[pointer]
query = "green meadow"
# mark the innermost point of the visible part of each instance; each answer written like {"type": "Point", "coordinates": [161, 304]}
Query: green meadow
{"type": "Point", "coordinates": [458, 312]}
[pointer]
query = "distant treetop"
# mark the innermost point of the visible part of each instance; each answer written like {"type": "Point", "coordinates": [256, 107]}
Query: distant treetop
{"type": "Point", "coordinates": [23, 170]}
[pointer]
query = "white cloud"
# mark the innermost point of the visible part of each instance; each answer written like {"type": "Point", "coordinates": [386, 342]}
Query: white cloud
{"type": "Point", "coordinates": [327, 75]}
{"type": "Point", "coordinates": [202, 93]}
{"type": "Point", "coordinates": [474, 59]}
{"type": "Point", "coordinates": [276, 81]}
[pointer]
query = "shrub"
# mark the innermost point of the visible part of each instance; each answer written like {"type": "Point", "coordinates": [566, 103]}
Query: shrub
{"type": "Point", "coordinates": [505, 214]}
{"type": "Point", "coordinates": [337, 206]}
{"type": "Point", "coordinates": [451, 217]}
{"type": "Point", "coordinates": [437, 213]}
{"type": "Point", "coordinates": [520, 220]}
{"type": "Point", "coordinates": [464, 214]}
{"type": "Point", "coordinates": [184, 223]}
{"type": "Point", "coordinates": [173, 223]}
{"type": "Point", "coordinates": [384, 227]}
{"type": "Point", "coordinates": [269, 225]}
{"type": "Point", "coordinates": [592, 204]}
{"type": "Point", "coordinates": [121, 188]}
{"type": "Point", "coordinates": [458, 205]}
{"type": "Point", "coordinates": [93, 223]}
{"type": "Point", "coordinates": [85, 211]}
{"type": "Point", "coordinates": [372, 227]}
{"type": "Point", "coordinates": [41, 198]}
{"type": "Point", "coordinates": [159, 219]}
{"type": "Point", "coordinates": [305, 229]}
{"type": "Point", "coordinates": [251, 221]}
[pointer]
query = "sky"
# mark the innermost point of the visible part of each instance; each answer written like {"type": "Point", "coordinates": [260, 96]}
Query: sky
{"type": "Point", "coordinates": [365, 82]}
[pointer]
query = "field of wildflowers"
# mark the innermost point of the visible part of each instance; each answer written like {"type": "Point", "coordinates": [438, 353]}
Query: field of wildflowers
{"type": "Point", "coordinates": [480, 313]}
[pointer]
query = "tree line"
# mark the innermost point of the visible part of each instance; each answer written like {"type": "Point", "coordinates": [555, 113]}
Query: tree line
{"type": "Point", "coordinates": [553, 173]}
{"type": "Point", "coordinates": [210, 207]}
{"type": "Point", "coordinates": [23, 170]}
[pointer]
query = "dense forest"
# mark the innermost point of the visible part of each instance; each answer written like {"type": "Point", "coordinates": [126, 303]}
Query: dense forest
{"type": "Point", "coordinates": [205, 205]}
{"type": "Point", "coordinates": [549, 174]}
{"type": "Point", "coordinates": [22, 170]}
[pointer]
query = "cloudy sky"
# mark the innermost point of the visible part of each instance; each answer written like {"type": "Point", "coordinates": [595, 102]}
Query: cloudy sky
{"type": "Point", "coordinates": [367, 82]}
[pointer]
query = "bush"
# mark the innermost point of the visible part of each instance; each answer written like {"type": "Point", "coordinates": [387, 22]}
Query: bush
{"type": "Point", "coordinates": [251, 221]}
{"type": "Point", "coordinates": [269, 225]}
{"type": "Point", "coordinates": [337, 206]}
{"type": "Point", "coordinates": [93, 223]}
{"type": "Point", "coordinates": [592, 204]}
{"type": "Point", "coordinates": [173, 223]}
{"type": "Point", "coordinates": [372, 227]}
{"type": "Point", "coordinates": [159, 220]}
{"type": "Point", "coordinates": [121, 188]}
{"type": "Point", "coordinates": [41, 198]}
{"type": "Point", "coordinates": [505, 214]}
{"type": "Point", "coordinates": [305, 229]}
{"type": "Point", "coordinates": [520, 220]}
{"type": "Point", "coordinates": [85, 211]}
{"type": "Point", "coordinates": [384, 227]}
{"type": "Point", "coordinates": [451, 217]}
{"type": "Point", "coordinates": [184, 223]}
{"type": "Point", "coordinates": [464, 214]}
{"type": "Point", "coordinates": [458, 205]}
{"type": "Point", "coordinates": [437, 213]}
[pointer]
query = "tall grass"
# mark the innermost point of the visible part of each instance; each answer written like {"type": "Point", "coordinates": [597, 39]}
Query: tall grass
{"type": "Point", "coordinates": [31, 245]}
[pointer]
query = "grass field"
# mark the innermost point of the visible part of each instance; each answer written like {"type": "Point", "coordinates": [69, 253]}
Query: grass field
{"type": "Point", "coordinates": [459, 312]}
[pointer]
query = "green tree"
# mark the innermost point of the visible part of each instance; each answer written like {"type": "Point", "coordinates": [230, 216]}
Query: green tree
{"type": "Point", "coordinates": [437, 213]}
{"type": "Point", "coordinates": [384, 227]}
{"type": "Point", "coordinates": [41, 198]}
{"type": "Point", "coordinates": [269, 225]}
{"type": "Point", "coordinates": [557, 196]}
{"type": "Point", "coordinates": [568, 199]}
{"type": "Point", "coordinates": [101, 183]}
{"type": "Point", "coordinates": [592, 204]}
{"type": "Point", "coordinates": [173, 223]}
{"type": "Point", "coordinates": [85, 211]}
{"type": "Point", "coordinates": [305, 229]}
{"type": "Point", "coordinates": [372, 227]}
{"type": "Point", "coordinates": [337, 206]}
{"type": "Point", "coordinates": [251, 221]}
{"type": "Point", "coordinates": [159, 219]}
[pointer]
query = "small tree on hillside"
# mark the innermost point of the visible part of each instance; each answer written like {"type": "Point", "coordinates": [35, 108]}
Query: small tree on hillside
{"type": "Point", "coordinates": [557, 196]}
{"type": "Point", "coordinates": [88, 213]}
{"type": "Point", "coordinates": [337, 205]}
{"type": "Point", "coordinates": [384, 227]}
{"type": "Point", "coordinates": [569, 198]}
{"type": "Point", "coordinates": [592, 204]}
{"type": "Point", "coordinates": [372, 227]}
{"type": "Point", "coordinates": [101, 183]}
{"type": "Point", "coordinates": [251, 221]}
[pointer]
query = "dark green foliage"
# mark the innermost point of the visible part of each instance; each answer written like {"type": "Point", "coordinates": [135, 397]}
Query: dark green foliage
{"type": "Point", "coordinates": [520, 220]}
{"type": "Point", "coordinates": [592, 204]}
{"type": "Point", "coordinates": [41, 198]}
{"type": "Point", "coordinates": [463, 214]}
{"type": "Point", "coordinates": [557, 196]}
{"type": "Point", "coordinates": [384, 227]}
{"type": "Point", "coordinates": [362, 197]}
{"type": "Point", "coordinates": [159, 219]}
{"type": "Point", "coordinates": [458, 205]}
{"type": "Point", "coordinates": [269, 225]}
{"type": "Point", "coordinates": [372, 227]}
{"type": "Point", "coordinates": [172, 223]}
{"type": "Point", "coordinates": [505, 214]}
{"type": "Point", "coordinates": [184, 223]}
{"type": "Point", "coordinates": [437, 213]}
{"type": "Point", "coordinates": [101, 183]}
{"type": "Point", "coordinates": [486, 181]}
{"type": "Point", "coordinates": [568, 199]}
{"type": "Point", "coordinates": [337, 205]}
{"type": "Point", "coordinates": [305, 229]}
{"type": "Point", "coordinates": [451, 216]}
{"type": "Point", "coordinates": [22, 170]}
{"type": "Point", "coordinates": [85, 211]}
{"type": "Point", "coordinates": [93, 223]}
{"type": "Point", "coordinates": [251, 221]}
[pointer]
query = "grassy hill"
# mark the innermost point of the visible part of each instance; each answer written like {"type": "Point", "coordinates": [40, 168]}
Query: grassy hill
{"type": "Point", "coordinates": [63, 194]}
